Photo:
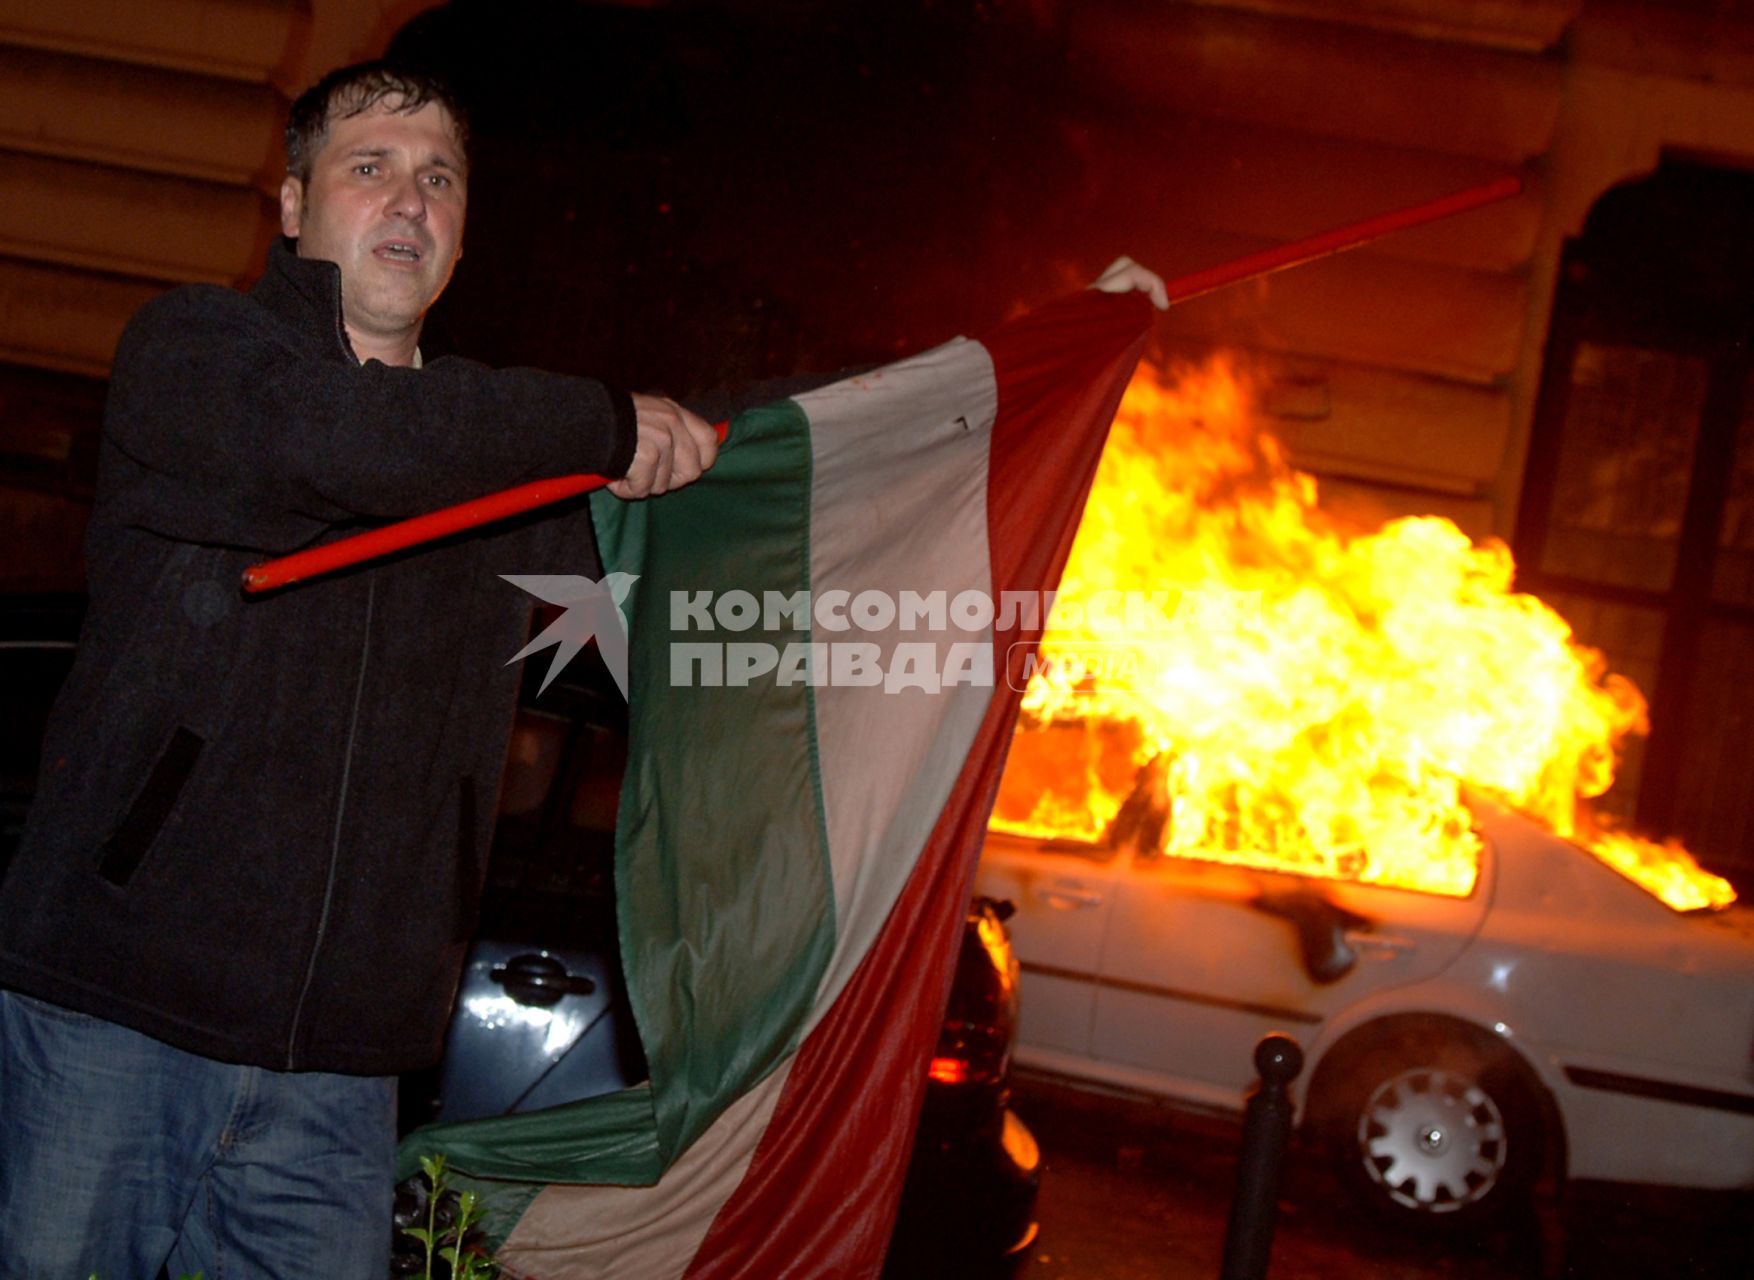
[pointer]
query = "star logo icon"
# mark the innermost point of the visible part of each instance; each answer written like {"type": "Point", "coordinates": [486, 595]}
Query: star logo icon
{"type": "Point", "coordinates": [593, 609]}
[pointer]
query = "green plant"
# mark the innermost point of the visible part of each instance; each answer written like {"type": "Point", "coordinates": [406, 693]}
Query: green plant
{"type": "Point", "coordinates": [451, 1219]}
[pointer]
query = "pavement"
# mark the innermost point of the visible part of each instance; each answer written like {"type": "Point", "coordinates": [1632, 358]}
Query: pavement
{"type": "Point", "coordinates": [1134, 1189]}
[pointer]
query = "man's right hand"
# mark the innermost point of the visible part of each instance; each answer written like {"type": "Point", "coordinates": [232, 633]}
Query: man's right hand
{"type": "Point", "coordinates": [673, 449]}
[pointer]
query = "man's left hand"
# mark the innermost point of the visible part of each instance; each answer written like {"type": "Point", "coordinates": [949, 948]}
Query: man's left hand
{"type": "Point", "coordinates": [673, 448]}
{"type": "Point", "coordinates": [1124, 276]}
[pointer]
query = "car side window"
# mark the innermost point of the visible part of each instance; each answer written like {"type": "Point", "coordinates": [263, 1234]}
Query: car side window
{"type": "Point", "coordinates": [556, 829]}
{"type": "Point", "coordinates": [551, 873]}
{"type": "Point", "coordinates": [538, 739]}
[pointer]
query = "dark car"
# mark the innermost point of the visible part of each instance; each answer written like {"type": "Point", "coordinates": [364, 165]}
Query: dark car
{"type": "Point", "coordinates": [969, 1198]}
{"type": "Point", "coordinates": [542, 1016]}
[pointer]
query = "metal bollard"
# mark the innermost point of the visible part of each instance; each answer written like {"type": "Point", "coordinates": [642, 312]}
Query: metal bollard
{"type": "Point", "coordinates": [1248, 1242]}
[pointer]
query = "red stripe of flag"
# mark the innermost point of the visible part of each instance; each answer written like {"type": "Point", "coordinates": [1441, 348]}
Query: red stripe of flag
{"type": "Point", "coordinates": [821, 1192]}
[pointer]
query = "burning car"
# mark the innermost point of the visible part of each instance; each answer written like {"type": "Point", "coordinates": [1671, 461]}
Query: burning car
{"type": "Point", "coordinates": [1277, 773]}
{"type": "Point", "coordinates": [1559, 1016]}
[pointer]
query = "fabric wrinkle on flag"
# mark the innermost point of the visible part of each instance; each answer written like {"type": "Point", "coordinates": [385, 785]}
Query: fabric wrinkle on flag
{"type": "Point", "coordinates": [793, 859]}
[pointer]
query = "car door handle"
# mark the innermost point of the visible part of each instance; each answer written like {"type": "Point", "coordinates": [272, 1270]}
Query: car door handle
{"type": "Point", "coordinates": [1379, 946]}
{"type": "Point", "coordinates": [540, 980]}
{"type": "Point", "coordinates": [1070, 899]}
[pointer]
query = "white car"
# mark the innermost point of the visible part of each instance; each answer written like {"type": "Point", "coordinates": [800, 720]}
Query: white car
{"type": "Point", "coordinates": [1559, 1018]}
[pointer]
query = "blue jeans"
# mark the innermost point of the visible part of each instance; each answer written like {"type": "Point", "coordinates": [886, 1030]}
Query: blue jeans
{"type": "Point", "coordinates": [119, 1154]}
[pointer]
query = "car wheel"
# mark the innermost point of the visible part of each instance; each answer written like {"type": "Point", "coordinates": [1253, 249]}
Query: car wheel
{"type": "Point", "coordinates": [1433, 1127]}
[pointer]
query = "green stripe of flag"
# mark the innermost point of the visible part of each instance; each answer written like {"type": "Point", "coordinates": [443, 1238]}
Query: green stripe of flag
{"type": "Point", "coordinates": [723, 893]}
{"type": "Point", "coordinates": [724, 898]}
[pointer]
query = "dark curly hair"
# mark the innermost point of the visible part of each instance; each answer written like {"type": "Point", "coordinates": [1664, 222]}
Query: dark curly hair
{"type": "Point", "coordinates": [351, 91]}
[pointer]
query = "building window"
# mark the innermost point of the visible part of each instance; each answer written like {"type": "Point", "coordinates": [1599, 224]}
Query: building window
{"type": "Point", "coordinates": [1637, 512]}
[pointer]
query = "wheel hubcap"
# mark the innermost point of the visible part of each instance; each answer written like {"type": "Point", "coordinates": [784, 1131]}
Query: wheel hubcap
{"type": "Point", "coordinates": [1433, 1140]}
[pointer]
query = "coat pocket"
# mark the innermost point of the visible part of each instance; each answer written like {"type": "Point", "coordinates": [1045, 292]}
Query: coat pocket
{"type": "Point", "coordinates": [123, 851]}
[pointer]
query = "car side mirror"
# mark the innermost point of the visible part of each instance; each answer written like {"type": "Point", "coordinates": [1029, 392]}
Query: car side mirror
{"type": "Point", "coordinates": [1002, 908]}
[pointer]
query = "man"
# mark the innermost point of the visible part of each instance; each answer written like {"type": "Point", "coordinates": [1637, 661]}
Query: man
{"type": "Point", "coordinates": [242, 900]}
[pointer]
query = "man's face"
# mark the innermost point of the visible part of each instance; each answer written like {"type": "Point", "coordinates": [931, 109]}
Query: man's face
{"type": "Point", "coordinates": [385, 202]}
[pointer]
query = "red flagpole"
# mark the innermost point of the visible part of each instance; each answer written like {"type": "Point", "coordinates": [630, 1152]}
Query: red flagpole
{"type": "Point", "coordinates": [418, 529]}
{"type": "Point", "coordinates": [497, 506]}
{"type": "Point", "coordinates": [1351, 236]}
{"type": "Point", "coordinates": [408, 533]}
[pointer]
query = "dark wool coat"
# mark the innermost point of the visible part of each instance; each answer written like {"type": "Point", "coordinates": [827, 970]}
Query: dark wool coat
{"type": "Point", "coordinates": [261, 826]}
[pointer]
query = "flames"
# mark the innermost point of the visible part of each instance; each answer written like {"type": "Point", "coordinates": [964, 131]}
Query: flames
{"type": "Point", "coordinates": [1306, 698]}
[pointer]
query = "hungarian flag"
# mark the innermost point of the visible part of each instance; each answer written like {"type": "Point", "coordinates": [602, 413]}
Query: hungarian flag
{"type": "Point", "coordinates": [822, 633]}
